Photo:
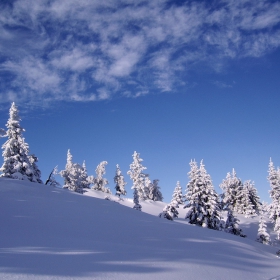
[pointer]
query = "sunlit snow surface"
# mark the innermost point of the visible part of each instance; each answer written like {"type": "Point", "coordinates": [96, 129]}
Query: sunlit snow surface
{"type": "Point", "coordinates": [50, 233]}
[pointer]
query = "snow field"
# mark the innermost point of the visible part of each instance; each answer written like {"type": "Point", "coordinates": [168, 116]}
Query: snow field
{"type": "Point", "coordinates": [51, 233]}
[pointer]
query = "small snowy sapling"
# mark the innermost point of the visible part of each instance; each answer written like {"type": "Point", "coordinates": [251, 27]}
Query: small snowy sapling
{"type": "Point", "coordinates": [232, 226]}
{"type": "Point", "coordinates": [263, 236]}
{"type": "Point", "coordinates": [170, 212]}
{"type": "Point", "coordinates": [51, 181]}
{"type": "Point", "coordinates": [177, 194]}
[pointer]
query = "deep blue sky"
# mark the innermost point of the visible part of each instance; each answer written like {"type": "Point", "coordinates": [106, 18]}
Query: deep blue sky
{"type": "Point", "coordinates": [173, 80]}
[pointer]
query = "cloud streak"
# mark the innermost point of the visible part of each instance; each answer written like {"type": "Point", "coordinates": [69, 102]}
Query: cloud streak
{"type": "Point", "coordinates": [87, 51]}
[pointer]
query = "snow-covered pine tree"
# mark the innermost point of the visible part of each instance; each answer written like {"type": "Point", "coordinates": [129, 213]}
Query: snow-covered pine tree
{"type": "Point", "coordinates": [75, 178]}
{"type": "Point", "coordinates": [148, 186]}
{"type": "Point", "coordinates": [65, 173]}
{"type": "Point", "coordinates": [177, 194]}
{"type": "Point", "coordinates": [137, 205]}
{"type": "Point", "coordinates": [277, 227]}
{"type": "Point", "coordinates": [249, 200]}
{"type": "Point", "coordinates": [191, 186]}
{"type": "Point", "coordinates": [254, 198]}
{"type": "Point", "coordinates": [99, 183]}
{"type": "Point", "coordinates": [155, 193]}
{"type": "Point", "coordinates": [36, 171]}
{"type": "Point", "coordinates": [137, 176]}
{"type": "Point", "coordinates": [246, 207]}
{"type": "Point", "coordinates": [263, 236]}
{"type": "Point", "coordinates": [203, 199]}
{"type": "Point", "coordinates": [225, 197]}
{"type": "Point", "coordinates": [84, 176]}
{"type": "Point", "coordinates": [232, 225]}
{"type": "Point", "coordinates": [274, 207]}
{"type": "Point", "coordinates": [16, 152]}
{"type": "Point", "coordinates": [170, 212]}
{"type": "Point", "coordinates": [72, 175]}
{"type": "Point", "coordinates": [120, 182]}
{"type": "Point", "coordinates": [51, 181]}
{"type": "Point", "coordinates": [232, 192]}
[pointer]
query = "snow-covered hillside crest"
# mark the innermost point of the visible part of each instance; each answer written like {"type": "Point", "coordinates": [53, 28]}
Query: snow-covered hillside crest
{"type": "Point", "coordinates": [47, 231]}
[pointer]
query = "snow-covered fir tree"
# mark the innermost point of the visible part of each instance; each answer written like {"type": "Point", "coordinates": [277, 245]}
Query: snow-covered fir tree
{"type": "Point", "coordinates": [17, 163]}
{"type": "Point", "coordinates": [250, 202]}
{"type": "Point", "coordinates": [72, 175]}
{"type": "Point", "coordinates": [170, 212]}
{"type": "Point", "coordinates": [232, 225]}
{"type": "Point", "coordinates": [99, 183]}
{"type": "Point", "coordinates": [277, 227]}
{"type": "Point", "coordinates": [137, 205]}
{"type": "Point", "coordinates": [246, 207]}
{"type": "Point", "coordinates": [232, 192]}
{"type": "Point", "coordinates": [36, 171]}
{"type": "Point", "coordinates": [148, 186]}
{"type": "Point", "coordinates": [274, 207]}
{"type": "Point", "coordinates": [75, 178]}
{"type": "Point", "coordinates": [84, 177]}
{"type": "Point", "coordinates": [155, 193]}
{"type": "Point", "coordinates": [203, 200]}
{"type": "Point", "coordinates": [263, 236]}
{"type": "Point", "coordinates": [66, 172]}
{"type": "Point", "coordinates": [137, 176]}
{"type": "Point", "coordinates": [51, 181]}
{"type": "Point", "coordinates": [120, 182]}
{"type": "Point", "coordinates": [178, 196]}
{"type": "Point", "coordinates": [254, 198]}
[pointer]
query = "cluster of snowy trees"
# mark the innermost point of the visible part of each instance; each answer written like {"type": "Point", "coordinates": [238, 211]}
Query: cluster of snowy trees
{"type": "Point", "coordinates": [76, 179]}
{"type": "Point", "coordinates": [239, 197]}
{"type": "Point", "coordinates": [204, 205]}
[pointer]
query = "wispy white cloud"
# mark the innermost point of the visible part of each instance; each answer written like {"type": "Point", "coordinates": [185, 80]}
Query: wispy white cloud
{"type": "Point", "coordinates": [222, 85]}
{"type": "Point", "coordinates": [33, 73]}
{"type": "Point", "coordinates": [76, 60]}
{"type": "Point", "coordinates": [91, 50]}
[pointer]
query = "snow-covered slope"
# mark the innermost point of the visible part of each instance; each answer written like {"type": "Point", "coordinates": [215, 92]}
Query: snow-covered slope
{"type": "Point", "coordinates": [49, 233]}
